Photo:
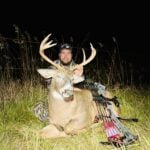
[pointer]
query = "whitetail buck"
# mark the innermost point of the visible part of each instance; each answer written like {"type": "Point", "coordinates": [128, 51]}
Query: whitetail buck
{"type": "Point", "coordinates": [70, 110]}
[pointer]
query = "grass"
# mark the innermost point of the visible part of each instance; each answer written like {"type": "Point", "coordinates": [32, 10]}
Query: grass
{"type": "Point", "coordinates": [18, 125]}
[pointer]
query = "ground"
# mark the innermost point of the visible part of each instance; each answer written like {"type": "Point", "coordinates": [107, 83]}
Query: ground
{"type": "Point", "coordinates": [18, 125]}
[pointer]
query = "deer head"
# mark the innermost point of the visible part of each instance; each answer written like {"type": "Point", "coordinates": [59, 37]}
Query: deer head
{"type": "Point", "coordinates": [62, 78]}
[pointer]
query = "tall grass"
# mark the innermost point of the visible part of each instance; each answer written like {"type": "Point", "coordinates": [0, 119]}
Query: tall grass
{"type": "Point", "coordinates": [18, 124]}
{"type": "Point", "coordinates": [20, 59]}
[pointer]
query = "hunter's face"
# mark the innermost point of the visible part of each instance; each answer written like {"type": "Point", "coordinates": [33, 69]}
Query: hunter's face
{"type": "Point", "coordinates": [65, 56]}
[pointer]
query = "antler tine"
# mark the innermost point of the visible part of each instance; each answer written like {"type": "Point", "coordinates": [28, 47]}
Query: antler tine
{"type": "Point", "coordinates": [85, 62]}
{"type": "Point", "coordinates": [84, 56]}
{"type": "Point", "coordinates": [45, 45]}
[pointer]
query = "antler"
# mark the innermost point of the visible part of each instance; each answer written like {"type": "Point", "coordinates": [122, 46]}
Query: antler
{"type": "Point", "coordinates": [45, 45]}
{"type": "Point", "coordinates": [93, 54]}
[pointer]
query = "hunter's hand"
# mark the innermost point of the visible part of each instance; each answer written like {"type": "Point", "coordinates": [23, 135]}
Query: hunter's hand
{"type": "Point", "coordinates": [79, 71]}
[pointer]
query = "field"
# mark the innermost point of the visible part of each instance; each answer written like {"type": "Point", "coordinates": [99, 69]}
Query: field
{"type": "Point", "coordinates": [18, 124]}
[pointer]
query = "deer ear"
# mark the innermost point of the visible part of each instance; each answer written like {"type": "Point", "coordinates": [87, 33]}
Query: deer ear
{"type": "Point", "coordinates": [47, 73]}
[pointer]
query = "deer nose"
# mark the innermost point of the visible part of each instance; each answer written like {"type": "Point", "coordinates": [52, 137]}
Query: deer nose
{"type": "Point", "coordinates": [67, 93]}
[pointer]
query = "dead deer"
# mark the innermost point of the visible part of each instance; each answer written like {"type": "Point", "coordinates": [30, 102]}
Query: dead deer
{"type": "Point", "coordinates": [70, 110]}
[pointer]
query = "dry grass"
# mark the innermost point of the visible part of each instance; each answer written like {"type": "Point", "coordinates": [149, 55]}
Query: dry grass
{"type": "Point", "coordinates": [18, 125]}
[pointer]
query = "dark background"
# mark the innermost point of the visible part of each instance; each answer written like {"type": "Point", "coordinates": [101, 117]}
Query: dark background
{"type": "Point", "coordinates": [131, 40]}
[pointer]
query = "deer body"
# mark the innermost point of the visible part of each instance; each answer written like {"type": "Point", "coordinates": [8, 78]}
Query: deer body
{"type": "Point", "coordinates": [77, 109]}
{"type": "Point", "coordinates": [70, 110]}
